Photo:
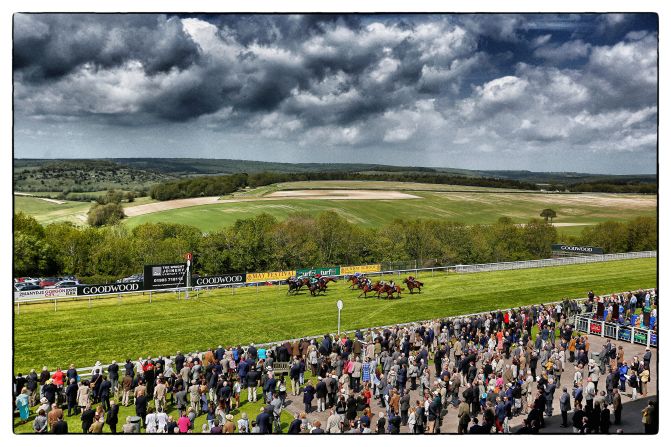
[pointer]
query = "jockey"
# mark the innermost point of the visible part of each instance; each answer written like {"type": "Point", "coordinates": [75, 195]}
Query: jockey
{"type": "Point", "coordinates": [313, 280]}
{"type": "Point", "coordinates": [411, 278]}
{"type": "Point", "coordinates": [357, 275]}
{"type": "Point", "coordinates": [392, 284]}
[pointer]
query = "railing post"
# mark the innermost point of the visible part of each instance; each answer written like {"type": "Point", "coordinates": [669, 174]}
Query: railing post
{"type": "Point", "coordinates": [647, 344]}
{"type": "Point", "coordinates": [617, 332]}
{"type": "Point", "coordinates": [631, 337]}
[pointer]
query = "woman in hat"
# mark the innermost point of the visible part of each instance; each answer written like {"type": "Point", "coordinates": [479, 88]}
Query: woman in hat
{"type": "Point", "coordinates": [229, 426]}
{"type": "Point", "coordinates": [243, 423]}
{"type": "Point", "coordinates": [22, 405]}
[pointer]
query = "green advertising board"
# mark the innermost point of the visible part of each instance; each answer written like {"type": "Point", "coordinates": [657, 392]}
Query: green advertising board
{"type": "Point", "coordinates": [324, 271]}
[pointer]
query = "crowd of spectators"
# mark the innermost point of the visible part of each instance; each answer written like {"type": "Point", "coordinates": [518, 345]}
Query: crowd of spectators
{"type": "Point", "coordinates": [486, 368]}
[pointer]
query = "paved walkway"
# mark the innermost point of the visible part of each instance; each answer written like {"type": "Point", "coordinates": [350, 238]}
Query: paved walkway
{"type": "Point", "coordinates": [450, 422]}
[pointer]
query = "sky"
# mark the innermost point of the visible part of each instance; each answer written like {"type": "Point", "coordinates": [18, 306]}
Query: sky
{"type": "Point", "coordinates": [540, 92]}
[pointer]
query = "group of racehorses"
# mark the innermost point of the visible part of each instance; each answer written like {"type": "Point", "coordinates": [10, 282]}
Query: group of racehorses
{"type": "Point", "coordinates": [317, 285]}
{"type": "Point", "coordinates": [379, 288]}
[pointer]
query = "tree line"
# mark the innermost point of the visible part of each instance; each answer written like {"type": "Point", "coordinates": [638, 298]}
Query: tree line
{"type": "Point", "coordinates": [262, 243]}
{"type": "Point", "coordinates": [226, 184]}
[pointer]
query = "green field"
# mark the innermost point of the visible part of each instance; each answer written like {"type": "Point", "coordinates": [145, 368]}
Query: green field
{"type": "Point", "coordinates": [48, 212]}
{"type": "Point", "coordinates": [466, 207]}
{"type": "Point", "coordinates": [470, 205]}
{"type": "Point", "coordinates": [119, 329]}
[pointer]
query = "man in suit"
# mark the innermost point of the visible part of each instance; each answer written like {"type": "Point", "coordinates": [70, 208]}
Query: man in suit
{"type": "Point", "coordinates": [71, 397]}
{"type": "Point", "coordinates": [105, 390]}
{"type": "Point", "coordinates": [355, 382]}
{"type": "Point", "coordinates": [141, 407]}
{"type": "Point", "coordinates": [87, 418]}
{"type": "Point", "coordinates": [404, 404]}
{"type": "Point", "coordinates": [264, 421]}
{"type": "Point", "coordinates": [564, 406]}
{"type": "Point", "coordinates": [295, 426]}
{"type": "Point", "coordinates": [617, 406]}
{"type": "Point", "coordinates": [113, 374]}
{"type": "Point", "coordinates": [112, 418]}
{"type": "Point", "coordinates": [60, 427]}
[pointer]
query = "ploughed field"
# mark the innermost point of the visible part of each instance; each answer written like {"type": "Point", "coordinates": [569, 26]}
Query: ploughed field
{"type": "Point", "coordinates": [368, 203]}
{"type": "Point", "coordinates": [116, 329]}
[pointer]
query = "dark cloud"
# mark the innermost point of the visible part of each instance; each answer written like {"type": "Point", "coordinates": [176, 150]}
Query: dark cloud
{"type": "Point", "coordinates": [50, 46]}
{"type": "Point", "coordinates": [442, 83]}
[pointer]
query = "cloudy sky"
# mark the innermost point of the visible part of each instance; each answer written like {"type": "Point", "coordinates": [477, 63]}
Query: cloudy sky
{"type": "Point", "coordinates": [538, 92]}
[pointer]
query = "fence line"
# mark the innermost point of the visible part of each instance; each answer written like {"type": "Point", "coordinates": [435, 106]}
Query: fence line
{"type": "Point", "coordinates": [631, 334]}
{"type": "Point", "coordinates": [472, 268]}
{"type": "Point", "coordinates": [574, 319]}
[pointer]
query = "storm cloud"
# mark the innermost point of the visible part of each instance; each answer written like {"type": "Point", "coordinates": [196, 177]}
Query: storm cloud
{"type": "Point", "coordinates": [476, 91]}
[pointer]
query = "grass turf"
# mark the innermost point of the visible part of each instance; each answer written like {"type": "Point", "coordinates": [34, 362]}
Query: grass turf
{"type": "Point", "coordinates": [113, 329]}
{"type": "Point", "coordinates": [467, 207]}
{"type": "Point", "coordinates": [480, 206]}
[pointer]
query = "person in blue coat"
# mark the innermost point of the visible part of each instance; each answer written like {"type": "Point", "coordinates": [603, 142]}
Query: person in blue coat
{"type": "Point", "coordinates": [264, 421]}
{"type": "Point", "coordinates": [308, 396]}
{"type": "Point", "coordinates": [624, 369]}
{"type": "Point", "coordinates": [295, 427]}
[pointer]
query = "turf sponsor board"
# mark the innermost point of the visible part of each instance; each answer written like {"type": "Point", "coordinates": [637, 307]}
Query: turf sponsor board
{"type": "Point", "coordinates": [582, 249]}
{"type": "Point", "coordinates": [46, 293]}
{"type": "Point", "coordinates": [270, 276]}
{"type": "Point", "coordinates": [234, 278]}
{"type": "Point", "coordinates": [100, 289]}
{"type": "Point", "coordinates": [164, 276]}
{"type": "Point", "coordinates": [352, 269]}
{"type": "Point", "coordinates": [323, 271]}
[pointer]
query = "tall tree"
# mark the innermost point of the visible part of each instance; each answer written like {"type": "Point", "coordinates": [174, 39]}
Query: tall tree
{"type": "Point", "coordinates": [548, 213]}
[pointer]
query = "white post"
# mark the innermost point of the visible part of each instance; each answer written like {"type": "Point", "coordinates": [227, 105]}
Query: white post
{"type": "Point", "coordinates": [18, 307]}
{"type": "Point", "coordinates": [631, 338]}
{"type": "Point", "coordinates": [188, 278]}
{"type": "Point", "coordinates": [55, 306]}
{"type": "Point", "coordinates": [647, 344]}
{"type": "Point", "coordinates": [338, 322]}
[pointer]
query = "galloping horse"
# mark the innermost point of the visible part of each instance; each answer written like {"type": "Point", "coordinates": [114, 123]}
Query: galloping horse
{"type": "Point", "coordinates": [412, 283]}
{"type": "Point", "coordinates": [296, 284]}
{"type": "Point", "coordinates": [368, 288]}
{"type": "Point", "coordinates": [389, 290]}
{"type": "Point", "coordinates": [355, 280]}
{"type": "Point", "coordinates": [323, 281]}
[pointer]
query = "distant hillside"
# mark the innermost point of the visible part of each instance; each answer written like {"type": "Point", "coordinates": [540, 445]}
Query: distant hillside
{"type": "Point", "coordinates": [140, 174]}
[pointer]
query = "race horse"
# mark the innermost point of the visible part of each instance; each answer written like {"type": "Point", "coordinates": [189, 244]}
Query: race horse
{"type": "Point", "coordinates": [412, 284]}
{"type": "Point", "coordinates": [368, 288]}
{"type": "Point", "coordinates": [320, 285]}
{"type": "Point", "coordinates": [355, 280]}
{"type": "Point", "coordinates": [389, 290]}
{"type": "Point", "coordinates": [295, 285]}
{"type": "Point", "coordinates": [323, 281]}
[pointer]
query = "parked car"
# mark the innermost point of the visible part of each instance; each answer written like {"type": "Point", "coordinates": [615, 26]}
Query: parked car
{"type": "Point", "coordinates": [20, 287]}
{"type": "Point", "coordinates": [60, 284]}
{"type": "Point", "coordinates": [45, 282]}
{"type": "Point", "coordinates": [132, 278]}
